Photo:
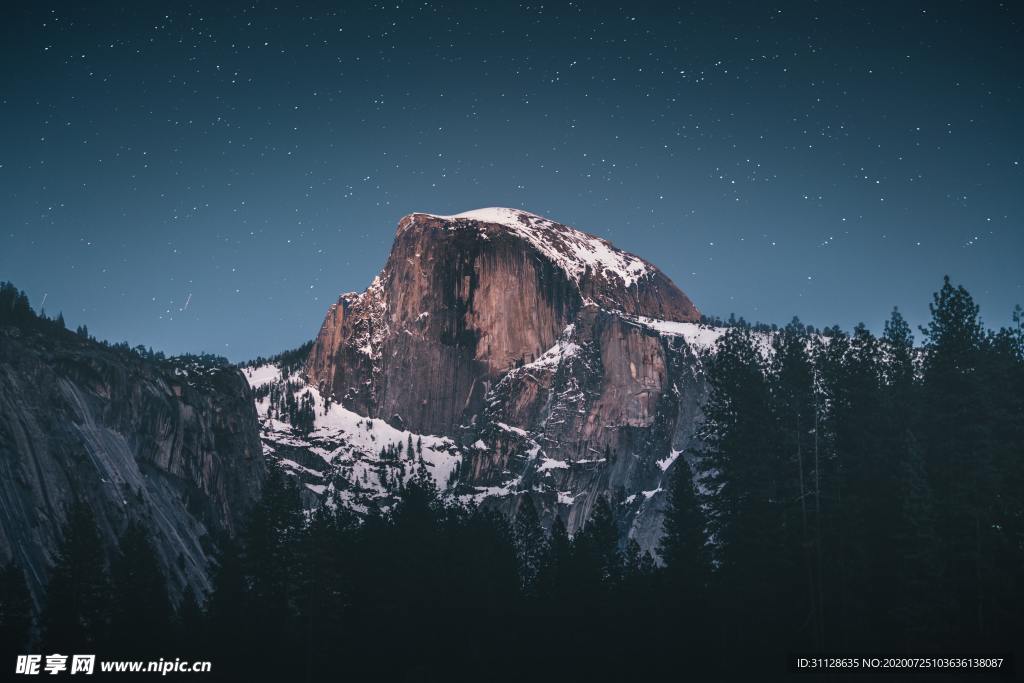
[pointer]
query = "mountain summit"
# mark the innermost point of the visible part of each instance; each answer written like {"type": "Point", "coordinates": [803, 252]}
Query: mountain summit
{"type": "Point", "coordinates": [462, 300]}
{"type": "Point", "coordinates": [601, 272]}
{"type": "Point", "coordinates": [581, 256]}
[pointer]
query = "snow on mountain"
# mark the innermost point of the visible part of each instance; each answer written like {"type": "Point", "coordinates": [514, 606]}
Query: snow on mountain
{"type": "Point", "coordinates": [358, 462]}
{"type": "Point", "coordinates": [697, 335]}
{"type": "Point", "coordinates": [340, 458]}
{"type": "Point", "coordinates": [703, 337]}
{"type": "Point", "coordinates": [574, 251]}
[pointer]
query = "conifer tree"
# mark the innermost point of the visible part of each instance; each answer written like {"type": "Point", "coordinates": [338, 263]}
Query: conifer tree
{"type": "Point", "coordinates": [531, 543]}
{"type": "Point", "coordinates": [190, 626]}
{"type": "Point", "coordinates": [956, 438]}
{"type": "Point", "coordinates": [596, 551]}
{"type": "Point", "coordinates": [15, 612]}
{"type": "Point", "coordinates": [863, 499]}
{"type": "Point", "coordinates": [554, 579]}
{"type": "Point", "coordinates": [269, 542]}
{"type": "Point", "coordinates": [140, 612]}
{"type": "Point", "coordinates": [919, 603]}
{"type": "Point", "coordinates": [795, 457]}
{"type": "Point", "coordinates": [758, 589]}
{"type": "Point", "coordinates": [898, 348]}
{"type": "Point", "coordinates": [77, 612]}
{"type": "Point", "coordinates": [14, 305]}
{"type": "Point", "coordinates": [322, 587]}
{"type": "Point", "coordinates": [228, 613]}
{"type": "Point", "coordinates": [683, 547]}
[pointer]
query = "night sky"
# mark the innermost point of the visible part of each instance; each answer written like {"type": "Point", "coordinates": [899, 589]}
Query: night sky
{"type": "Point", "coordinates": [211, 176]}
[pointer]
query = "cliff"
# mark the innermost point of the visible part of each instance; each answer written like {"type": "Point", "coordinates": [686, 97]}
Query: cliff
{"type": "Point", "coordinates": [172, 443]}
{"type": "Point", "coordinates": [464, 299]}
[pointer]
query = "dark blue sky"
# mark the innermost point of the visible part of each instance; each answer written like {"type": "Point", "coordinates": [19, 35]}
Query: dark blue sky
{"type": "Point", "coordinates": [253, 160]}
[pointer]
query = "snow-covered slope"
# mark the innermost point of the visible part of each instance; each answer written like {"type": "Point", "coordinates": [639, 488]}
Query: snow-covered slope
{"type": "Point", "coordinates": [574, 251]}
{"type": "Point", "coordinates": [703, 337]}
{"type": "Point", "coordinates": [340, 459]}
{"type": "Point", "coordinates": [358, 462]}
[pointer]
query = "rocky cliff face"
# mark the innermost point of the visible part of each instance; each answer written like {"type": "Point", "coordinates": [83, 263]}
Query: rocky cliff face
{"type": "Point", "coordinates": [171, 443]}
{"type": "Point", "coordinates": [464, 299]}
{"type": "Point", "coordinates": [554, 364]}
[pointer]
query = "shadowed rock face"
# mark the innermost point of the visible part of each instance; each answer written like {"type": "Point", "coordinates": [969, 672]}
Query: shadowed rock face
{"type": "Point", "coordinates": [462, 300]}
{"type": "Point", "coordinates": [174, 446]}
{"type": "Point", "coordinates": [606, 412]}
{"type": "Point", "coordinates": [531, 343]}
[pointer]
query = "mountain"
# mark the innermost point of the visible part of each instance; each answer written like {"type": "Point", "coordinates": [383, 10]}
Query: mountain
{"type": "Point", "coordinates": [171, 443]}
{"type": "Point", "coordinates": [464, 299]}
{"type": "Point", "coordinates": [523, 355]}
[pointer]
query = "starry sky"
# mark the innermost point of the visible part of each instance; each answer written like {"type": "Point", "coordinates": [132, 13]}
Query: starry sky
{"type": "Point", "coordinates": [209, 176]}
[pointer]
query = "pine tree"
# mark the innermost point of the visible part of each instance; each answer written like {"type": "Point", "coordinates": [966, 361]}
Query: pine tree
{"type": "Point", "coordinates": [918, 603]}
{"type": "Point", "coordinates": [531, 543]}
{"type": "Point", "coordinates": [303, 413]}
{"type": "Point", "coordinates": [898, 346]}
{"type": "Point", "coordinates": [797, 462]}
{"type": "Point", "coordinates": [228, 615]}
{"type": "Point", "coordinates": [1002, 375]}
{"type": "Point", "coordinates": [14, 305]}
{"type": "Point", "coordinates": [596, 551]}
{"type": "Point", "coordinates": [190, 626]}
{"type": "Point", "coordinates": [140, 612]}
{"type": "Point", "coordinates": [956, 438]}
{"type": "Point", "coordinates": [954, 335]}
{"type": "Point", "coordinates": [759, 591]}
{"type": "Point", "coordinates": [270, 542]}
{"type": "Point", "coordinates": [639, 592]}
{"type": "Point", "coordinates": [322, 587]}
{"type": "Point", "coordinates": [554, 580]}
{"type": "Point", "coordinates": [15, 612]}
{"type": "Point", "coordinates": [683, 547]}
{"type": "Point", "coordinates": [76, 615]}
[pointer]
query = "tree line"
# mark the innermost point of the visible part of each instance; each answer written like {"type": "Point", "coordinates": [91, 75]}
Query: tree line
{"type": "Point", "coordinates": [17, 312]}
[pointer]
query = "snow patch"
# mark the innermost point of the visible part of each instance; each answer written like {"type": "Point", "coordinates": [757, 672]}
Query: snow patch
{"type": "Point", "coordinates": [699, 336]}
{"type": "Point", "coordinates": [667, 461]}
{"type": "Point", "coordinates": [514, 430]}
{"type": "Point", "coordinates": [343, 438]}
{"type": "Point", "coordinates": [552, 464]}
{"type": "Point", "coordinates": [572, 250]}
{"type": "Point", "coordinates": [261, 375]}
